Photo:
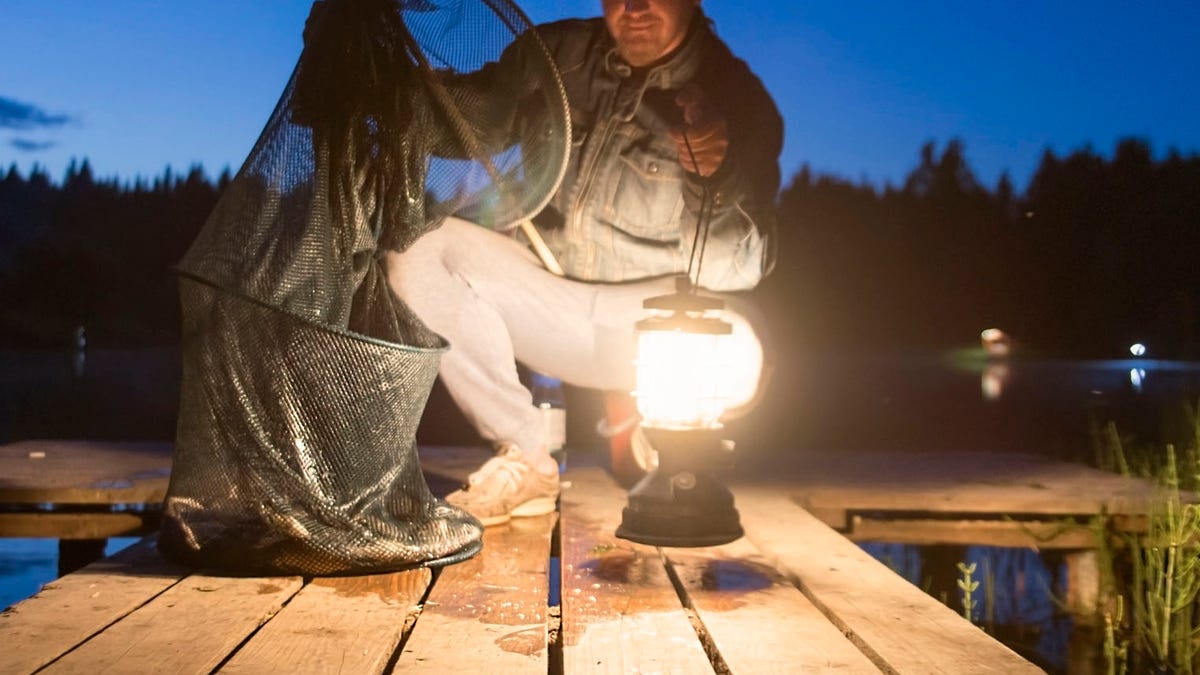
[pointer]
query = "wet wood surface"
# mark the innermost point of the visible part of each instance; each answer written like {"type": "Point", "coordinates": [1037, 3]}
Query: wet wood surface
{"type": "Point", "coordinates": [620, 611]}
{"type": "Point", "coordinates": [736, 593]}
{"type": "Point", "coordinates": [492, 609]}
{"type": "Point", "coordinates": [792, 596]}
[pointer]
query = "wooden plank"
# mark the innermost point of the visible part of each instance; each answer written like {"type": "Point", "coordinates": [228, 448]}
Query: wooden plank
{"type": "Point", "coordinates": [337, 624]}
{"type": "Point", "coordinates": [980, 483]}
{"type": "Point", "coordinates": [489, 613]}
{"type": "Point", "coordinates": [79, 525]}
{"type": "Point", "coordinates": [72, 609]}
{"type": "Point", "coordinates": [620, 612]}
{"type": "Point", "coordinates": [190, 628]}
{"type": "Point", "coordinates": [757, 620]}
{"type": "Point", "coordinates": [84, 472]}
{"type": "Point", "coordinates": [928, 532]}
{"type": "Point", "coordinates": [899, 627]}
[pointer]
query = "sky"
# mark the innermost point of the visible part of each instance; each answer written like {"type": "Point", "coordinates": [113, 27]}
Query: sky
{"type": "Point", "coordinates": [136, 86]}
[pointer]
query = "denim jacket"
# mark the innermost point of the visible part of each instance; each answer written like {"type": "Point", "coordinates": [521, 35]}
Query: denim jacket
{"type": "Point", "coordinates": [626, 209]}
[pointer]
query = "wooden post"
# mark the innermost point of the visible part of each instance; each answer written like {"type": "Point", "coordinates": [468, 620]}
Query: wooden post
{"type": "Point", "coordinates": [75, 553]}
{"type": "Point", "coordinates": [1083, 585]}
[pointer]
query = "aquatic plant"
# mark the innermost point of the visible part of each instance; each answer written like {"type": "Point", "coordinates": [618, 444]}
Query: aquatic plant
{"type": "Point", "coordinates": [1116, 653]}
{"type": "Point", "coordinates": [1166, 575]}
{"type": "Point", "coordinates": [968, 586]}
{"type": "Point", "coordinates": [1163, 574]}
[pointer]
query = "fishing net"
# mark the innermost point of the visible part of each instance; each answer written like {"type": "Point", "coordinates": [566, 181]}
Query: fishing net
{"type": "Point", "coordinates": [304, 376]}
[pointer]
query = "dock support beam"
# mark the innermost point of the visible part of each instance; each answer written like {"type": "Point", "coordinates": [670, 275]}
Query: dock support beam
{"type": "Point", "coordinates": [1083, 585]}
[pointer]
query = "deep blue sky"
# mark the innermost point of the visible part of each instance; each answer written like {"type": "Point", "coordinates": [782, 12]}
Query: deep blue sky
{"type": "Point", "coordinates": [139, 85]}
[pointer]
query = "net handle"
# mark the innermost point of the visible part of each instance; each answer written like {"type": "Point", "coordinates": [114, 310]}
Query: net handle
{"type": "Point", "coordinates": [468, 135]}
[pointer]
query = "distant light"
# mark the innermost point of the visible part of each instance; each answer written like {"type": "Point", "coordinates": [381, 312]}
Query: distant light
{"type": "Point", "coordinates": [1137, 349]}
{"type": "Point", "coordinates": [995, 342]}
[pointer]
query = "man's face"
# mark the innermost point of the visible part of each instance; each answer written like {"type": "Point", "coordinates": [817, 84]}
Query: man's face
{"type": "Point", "coordinates": [646, 30]}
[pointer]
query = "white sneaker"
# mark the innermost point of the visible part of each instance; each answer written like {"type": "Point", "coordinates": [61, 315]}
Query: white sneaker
{"type": "Point", "coordinates": [506, 487]}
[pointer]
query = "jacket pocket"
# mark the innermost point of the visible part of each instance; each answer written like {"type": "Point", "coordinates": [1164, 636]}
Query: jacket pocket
{"type": "Point", "coordinates": [645, 196]}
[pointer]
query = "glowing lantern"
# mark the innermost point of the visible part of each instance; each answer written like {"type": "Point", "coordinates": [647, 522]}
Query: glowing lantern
{"type": "Point", "coordinates": [684, 364]}
{"type": "Point", "coordinates": [687, 375]}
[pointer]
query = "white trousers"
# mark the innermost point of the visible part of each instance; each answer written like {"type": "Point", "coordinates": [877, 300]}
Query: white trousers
{"type": "Point", "coordinates": [494, 302]}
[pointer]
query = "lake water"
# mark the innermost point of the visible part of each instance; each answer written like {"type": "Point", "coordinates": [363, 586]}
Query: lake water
{"type": "Point", "coordinates": [841, 403]}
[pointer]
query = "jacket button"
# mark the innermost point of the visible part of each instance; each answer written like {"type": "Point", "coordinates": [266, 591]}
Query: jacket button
{"type": "Point", "coordinates": [653, 168]}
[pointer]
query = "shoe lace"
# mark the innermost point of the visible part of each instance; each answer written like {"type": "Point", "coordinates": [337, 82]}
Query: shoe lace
{"type": "Point", "coordinates": [506, 470]}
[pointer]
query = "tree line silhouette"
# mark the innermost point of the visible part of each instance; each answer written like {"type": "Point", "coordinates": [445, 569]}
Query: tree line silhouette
{"type": "Point", "coordinates": [97, 254]}
{"type": "Point", "coordinates": [1096, 253]}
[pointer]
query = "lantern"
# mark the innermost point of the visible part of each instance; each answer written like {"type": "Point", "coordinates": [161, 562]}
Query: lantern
{"type": "Point", "coordinates": [687, 371]}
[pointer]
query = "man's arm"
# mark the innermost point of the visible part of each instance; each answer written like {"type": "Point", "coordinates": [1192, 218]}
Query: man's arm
{"type": "Point", "coordinates": [735, 134]}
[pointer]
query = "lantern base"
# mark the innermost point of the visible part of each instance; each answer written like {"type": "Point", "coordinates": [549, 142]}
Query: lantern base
{"type": "Point", "coordinates": [677, 505]}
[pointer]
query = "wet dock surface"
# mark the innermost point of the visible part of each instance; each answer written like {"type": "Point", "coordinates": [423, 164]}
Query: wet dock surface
{"type": "Point", "coordinates": [554, 593]}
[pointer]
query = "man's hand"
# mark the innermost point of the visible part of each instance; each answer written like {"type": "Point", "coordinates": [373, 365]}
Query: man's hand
{"type": "Point", "coordinates": [706, 130]}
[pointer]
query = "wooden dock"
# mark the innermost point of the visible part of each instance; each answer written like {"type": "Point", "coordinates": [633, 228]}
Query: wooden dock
{"type": "Point", "coordinates": [792, 596]}
{"type": "Point", "coordinates": [81, 493]}
{"type": "Point", "coordinates": [957, 498]}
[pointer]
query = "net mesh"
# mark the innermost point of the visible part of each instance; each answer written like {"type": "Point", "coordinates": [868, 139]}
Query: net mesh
{"type": "Point", "coordinates": [304, 376]}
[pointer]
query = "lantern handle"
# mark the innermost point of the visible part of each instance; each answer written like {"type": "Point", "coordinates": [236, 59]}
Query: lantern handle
{"type": "Point", "coordinates": [703, 218]}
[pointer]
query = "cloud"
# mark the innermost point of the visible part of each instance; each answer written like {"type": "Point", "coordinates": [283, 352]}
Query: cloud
{"type": "Point", "coordinates": [26, 145]}
{"type": "Point", "coordinates": [18, 115]}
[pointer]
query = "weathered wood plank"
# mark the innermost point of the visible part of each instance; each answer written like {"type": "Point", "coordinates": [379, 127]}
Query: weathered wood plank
{"type": "Point", "coordinates": [72, 609]}
{"type": "Point", "coordinates": [757, 620]}
{"type": "Point", "coordinates": [84, 472]}
{"type": "Point", "coordinates": [336, 625]}
{"type": "Point", "coordinates": [899, 627]}
{"type": "Point", "coordinates": [190, 628]}
{"type": "Point", "coordinates": [620, 612]}
{"type": "Point", "coordinates": [489, 613]}
{"type": "Point", "coordinates": [953, 482]}
{"type": "Point", "coordinates": [930, 532]}
{"type": "Point", "coordinates": [77, 525]}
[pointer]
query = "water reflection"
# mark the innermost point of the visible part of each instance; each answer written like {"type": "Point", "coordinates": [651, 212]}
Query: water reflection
{"type": "Point", "coordinates": [1137, 379]}
{"type": "Point", "coordinates": [993, 380]}
{"type": "Point", "coordinates": [1017, 599]}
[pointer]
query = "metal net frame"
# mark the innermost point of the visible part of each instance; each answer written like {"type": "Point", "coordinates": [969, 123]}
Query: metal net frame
{"type": "Point", "coordinates": [304, 376]}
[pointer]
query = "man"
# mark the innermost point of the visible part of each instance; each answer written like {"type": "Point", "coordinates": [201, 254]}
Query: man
{"type": "Point", "coordinates": [663, 116]}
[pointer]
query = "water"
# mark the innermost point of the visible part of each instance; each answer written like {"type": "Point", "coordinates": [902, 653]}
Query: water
{"type": "Point", "coordinates": [119, 395]}
{"type": "Point", "coordinates": [963, 402]}
{"type": "Point", "coordinates": [27, 564]}
{"type": "Point", "coordinates": [926, 402]}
